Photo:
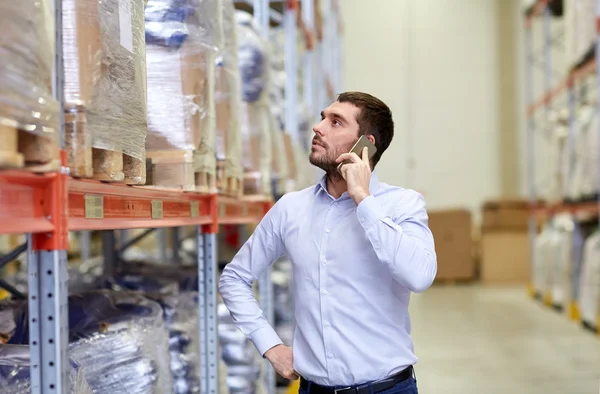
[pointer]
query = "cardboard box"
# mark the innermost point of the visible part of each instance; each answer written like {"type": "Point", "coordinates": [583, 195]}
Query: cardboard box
{"type": "Point", "coordinates": [505, 215]}
{"type": "Point", "coordinates": [506, 257]}
{"type": "Point", "coordinates": [452, 233]}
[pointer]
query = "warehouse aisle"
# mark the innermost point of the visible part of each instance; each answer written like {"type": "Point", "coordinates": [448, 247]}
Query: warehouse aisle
{"type": "Point", "coordinates": [474, 339]}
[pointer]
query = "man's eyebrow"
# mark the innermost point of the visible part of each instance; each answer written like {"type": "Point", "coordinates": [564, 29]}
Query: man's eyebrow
{"type": "Point", "coordinates": [334, 115]}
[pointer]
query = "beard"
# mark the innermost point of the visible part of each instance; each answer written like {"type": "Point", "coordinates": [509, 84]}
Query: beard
{"type": "Point", "coordinates": [325, 157]}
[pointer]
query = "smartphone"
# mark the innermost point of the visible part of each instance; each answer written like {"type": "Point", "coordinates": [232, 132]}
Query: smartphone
{"type": "Point", "coordinates": [362, 142]}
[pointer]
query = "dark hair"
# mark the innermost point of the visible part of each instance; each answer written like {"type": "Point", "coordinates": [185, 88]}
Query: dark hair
{"type": "Point", "coordinates": [374, 118]}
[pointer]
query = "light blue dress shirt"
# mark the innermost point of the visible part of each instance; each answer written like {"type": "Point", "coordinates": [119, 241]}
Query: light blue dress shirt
{"type": "Point", "coordinates": [354, 268]}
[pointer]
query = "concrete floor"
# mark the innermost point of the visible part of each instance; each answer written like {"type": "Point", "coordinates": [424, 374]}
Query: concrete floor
{"type": "Point", "coordinates": [497, 340]}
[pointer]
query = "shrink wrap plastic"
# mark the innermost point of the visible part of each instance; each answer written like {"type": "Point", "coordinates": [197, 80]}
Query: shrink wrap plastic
{"type": "Point", "coordinates": [228, 99]}
{"type": "Point", "coordinates": [180, 312]}
{"type": "Point", "coordinates": [15, 372]}
{"type": "Point", "coordinates": [255, 112]}
{"type": "Point", "coordinates": [105, 82]}
{"type": "Point", "coordinates": [183, 38]}
{"type": "Point", "coordinates": [119, 340]}
{"type": "Point", "coordinates": [589, 281]}
{"type": "Point", "coordinates": [580, 29]}
{"type": "Point", "coordinates": [26, 64]}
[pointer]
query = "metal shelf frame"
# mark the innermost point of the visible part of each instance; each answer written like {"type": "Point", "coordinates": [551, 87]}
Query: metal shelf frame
{"type": "Point", "coordinates": [47, 206]}
{"type": "Point", "coordinates": [553, 89]}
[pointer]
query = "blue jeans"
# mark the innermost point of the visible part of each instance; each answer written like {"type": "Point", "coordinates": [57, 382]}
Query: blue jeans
{"type": "Point", "coordinates": [408, 386]}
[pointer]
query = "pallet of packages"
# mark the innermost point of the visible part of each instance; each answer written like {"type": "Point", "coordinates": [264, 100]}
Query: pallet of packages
{"type": "Point", "coordinates": [105, 90]}
{"type": "Point", "coordinates": [28, 111]}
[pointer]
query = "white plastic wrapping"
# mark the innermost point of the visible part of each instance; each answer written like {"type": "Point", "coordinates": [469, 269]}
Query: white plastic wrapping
{"type": "Point", "coordinates": [105, 84]}
{"type": "Point", "coordinates": [228, 100]}
{"type": "Point", "coordinates": [183, 39]}
{"type": "Point", "coordinates": [589, 281]}
{"type": "Point", "coordinates": [26, 64]}
{"type": "Point", "coordinates": [255, 113]}
{"type": "Point", "coordinates": [580, 29]}
{"type": "Point", "coordinates": [15, 375]}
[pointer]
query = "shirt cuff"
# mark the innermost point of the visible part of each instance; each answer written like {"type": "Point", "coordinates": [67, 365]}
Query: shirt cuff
{"type": "Point", "coordinates": [264, 339]}
{"type": "Point", "coordinates": [369, 212]}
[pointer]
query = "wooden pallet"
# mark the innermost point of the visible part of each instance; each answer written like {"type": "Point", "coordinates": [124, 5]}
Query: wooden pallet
{"type": "Point", "coordinates": [33, 152]}
{"type": "Point", "coordinates": [175, 169]}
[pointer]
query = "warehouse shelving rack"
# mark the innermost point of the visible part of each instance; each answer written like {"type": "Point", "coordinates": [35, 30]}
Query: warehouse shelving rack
{"type": "Point", "coordinates": [47, 206]}
{"type": "Point", "coordinates": [553, 90]}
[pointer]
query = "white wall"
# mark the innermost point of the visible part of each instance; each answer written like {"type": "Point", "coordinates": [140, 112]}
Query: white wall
{"type": "Point", "coordinates": [434, 63]}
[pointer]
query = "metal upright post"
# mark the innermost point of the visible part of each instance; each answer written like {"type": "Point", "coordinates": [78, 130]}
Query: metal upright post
{"type": "Point", "coordinates": [531, 167]}
{"type": "Point", "coordinates": [290, 48]}
{"type": "Point", "coordinates": [308, 16]}
{"type": "Point", "coordinates": [207, 299]}
{"type": "Point", "coordinates": [48, 321]}
{"type": "Point", "coordinates": [597, 80]}
{"type": "Point", "coordinates": [261, 15]}
{"type": "Point", "coordinates": [47, 266]}
{"type": "Point", "coordinates": [175, 240]}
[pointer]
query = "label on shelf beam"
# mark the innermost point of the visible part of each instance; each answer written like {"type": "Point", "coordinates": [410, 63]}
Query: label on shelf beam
{"type": "Point", "coordinates": [222, 210]}
{"type": "Point", "coordinates": [94, 206]}
{"type": "Point", "coordinates": [245, 210]}
{"type": "Point", "coordinates": [194, 209]}
{"type": "Point", "coordinates": [157, 209]}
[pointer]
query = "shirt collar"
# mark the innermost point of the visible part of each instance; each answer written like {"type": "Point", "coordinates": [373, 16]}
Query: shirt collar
{"type": "Point", "coordinates": [373, 184]}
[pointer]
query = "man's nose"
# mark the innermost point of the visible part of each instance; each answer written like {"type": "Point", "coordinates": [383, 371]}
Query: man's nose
{"type": "Point", "coordinates": [317, 129]}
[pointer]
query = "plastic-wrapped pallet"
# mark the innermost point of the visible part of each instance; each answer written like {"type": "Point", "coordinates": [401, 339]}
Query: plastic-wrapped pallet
{"type": "Point", "coordinates": [180, 312]}
{"type": "Point", "coordinates": [15, 375]}
{"type": "Point", "coordinates": [545, 261]}
{"type": "Point", "coordinates": [589, 282]}
{"type": "Point", "coordinates": [28, 111]}
{"type": "Point", "coordinates": [183, 38]}
{"type": "Point", "coordinates": [228, 101]}
{"type": "Point", "coordinates": [580, 29]}
{"type": "Point", "coordinates": [105, 89]}
{"type": "Point", "coordinates": [256, 131]}
{"type": "Point", "coordinates": [590, 149]}
{"type": "Point", "coordinates": [243, 363]}
{"type": "Point", "coordinates": [580, 185]}
{"type": "Point", "coordinates": [118, 339]}
{"type": "Point", "coordinates": [562, 266]}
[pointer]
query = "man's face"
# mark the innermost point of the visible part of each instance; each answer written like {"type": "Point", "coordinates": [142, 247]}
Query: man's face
{"type": "Point", "coordinates": [335, 134]}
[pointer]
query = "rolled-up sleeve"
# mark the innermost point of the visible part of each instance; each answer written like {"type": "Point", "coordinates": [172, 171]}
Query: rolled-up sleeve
{"type": "Point", "coordinates": [261, 250]}
{"type": "Point", "coordinates": [402, 241]}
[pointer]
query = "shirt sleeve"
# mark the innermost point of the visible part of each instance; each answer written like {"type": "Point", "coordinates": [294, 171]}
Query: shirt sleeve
{"type": "Point", "coordinates": [261, 250]}
{"type": "Point", "coordinates": [402, 241]}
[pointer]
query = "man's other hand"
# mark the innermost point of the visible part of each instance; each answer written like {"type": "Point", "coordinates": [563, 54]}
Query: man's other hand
{"type": "Point", "coordinates": [282, 361]}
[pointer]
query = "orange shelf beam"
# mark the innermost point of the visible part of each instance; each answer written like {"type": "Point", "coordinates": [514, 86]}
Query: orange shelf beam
{"type": "Point", "coordinates": [582, 72]}
{"type": "Point", "coordinates": [22, 202]}
{"type": "Point", "coordinates": [100, 206]}
{"type": "Point", "coordinates": [245, 210]}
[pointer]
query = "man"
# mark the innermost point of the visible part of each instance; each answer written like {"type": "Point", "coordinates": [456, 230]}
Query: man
{"type": "Point", "coordinates": [358, 247]}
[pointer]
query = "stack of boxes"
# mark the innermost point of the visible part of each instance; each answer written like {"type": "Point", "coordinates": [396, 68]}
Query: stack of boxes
{"type": "Point", "coordinates": [505, 243]}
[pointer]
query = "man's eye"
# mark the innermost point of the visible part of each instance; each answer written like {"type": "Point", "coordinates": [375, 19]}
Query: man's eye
{"type": "Point", "coordinates": [337, 123]}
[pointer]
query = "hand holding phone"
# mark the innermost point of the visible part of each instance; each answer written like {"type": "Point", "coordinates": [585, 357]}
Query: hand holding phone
{"type": "Point", "coordinates": [358, 147]}
{"type": "Point", "coordinates": [355, 168]}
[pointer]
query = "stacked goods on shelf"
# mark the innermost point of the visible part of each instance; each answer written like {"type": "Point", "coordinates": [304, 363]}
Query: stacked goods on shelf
{"type": "Point", "coordinates": [119, 340]}
{"type": "Point", "coordinates": [105, 89]}
{"type": "Point", "coordinates": [589, 284]}
{"type": "Point", "coordinates": [175, 290]}
{"type": "Point", "coordinates": [505, 245]}
{"type": "Point", "coordinates": [239, 354]}
{"type": "Point", "coordinates": [580, 31]}
{"type": "Point", "coordinates": [255, 114]}
{"type": "Point", "coordinates": [282, 166]}
{"type": "Point", "coordinates": [28, 111]}
{"type": "Point", "coordinates": [182, 41]}
{"type": "Point", "coordinates": [228, 99]}
{"type": "Point", "coordinates": [15, 370]}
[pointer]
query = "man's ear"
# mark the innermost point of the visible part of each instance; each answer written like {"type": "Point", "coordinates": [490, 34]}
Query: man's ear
{"type": "Point", "coordinates": [371, 138]}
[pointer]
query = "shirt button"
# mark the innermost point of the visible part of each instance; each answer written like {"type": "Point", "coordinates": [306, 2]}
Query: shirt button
{"type": "Point", "coordinates": [327, 230]}
{"type": "Point", "coordinates": [330, 355]}
{"type": "Point", "coordinates": [324, 261]}
{"type": "Point", "coordinates": [325, 292]}
{"type": "Point", "coordinates": [335, 203]}
{"type": "Point", "coordinates": [327, 323]}
{"type": "Point", "coordinates": [362, 219]}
